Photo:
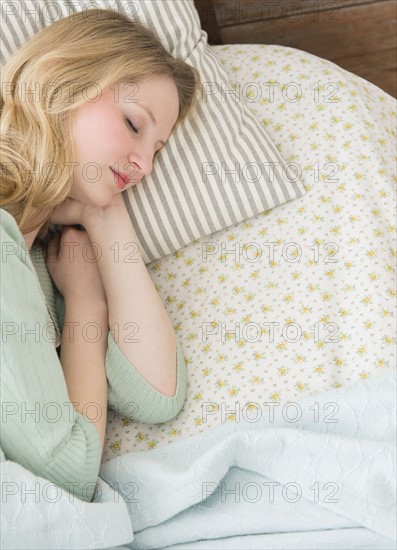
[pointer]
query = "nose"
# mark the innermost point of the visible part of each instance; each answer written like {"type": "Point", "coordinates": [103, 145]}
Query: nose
{"type": "Point", "coordinates": [139, 165]}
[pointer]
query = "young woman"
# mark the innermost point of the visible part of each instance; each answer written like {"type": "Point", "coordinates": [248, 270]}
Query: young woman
{"type": "Point", "coordinates": [85, 106]}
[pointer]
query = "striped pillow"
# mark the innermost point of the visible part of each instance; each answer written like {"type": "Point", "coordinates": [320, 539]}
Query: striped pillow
{"type": "Point", "coordinates": [218, 168]}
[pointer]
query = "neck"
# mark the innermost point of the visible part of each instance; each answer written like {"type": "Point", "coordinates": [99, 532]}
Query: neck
{"type": "Point", "coordinates": [30, 237]}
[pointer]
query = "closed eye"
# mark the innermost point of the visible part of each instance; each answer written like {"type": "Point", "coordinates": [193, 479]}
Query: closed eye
{"type": "Point", "coordinates": [129, 123]}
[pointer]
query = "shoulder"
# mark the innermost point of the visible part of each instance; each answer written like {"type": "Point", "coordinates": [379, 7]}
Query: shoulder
{"type": "Point", "coordinates": [12, 244]}
{"type": "Point", "coordinates": [9, 225]}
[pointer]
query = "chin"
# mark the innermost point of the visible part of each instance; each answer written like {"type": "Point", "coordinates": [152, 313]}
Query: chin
{"type": "Point", "coordinates": [100, 199]}
{"type": "Point", "coordinates": [108, 200]}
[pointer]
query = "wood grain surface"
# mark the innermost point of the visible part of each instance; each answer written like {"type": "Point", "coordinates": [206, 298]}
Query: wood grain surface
{"type": "Point", "coordinates": [358, 35]}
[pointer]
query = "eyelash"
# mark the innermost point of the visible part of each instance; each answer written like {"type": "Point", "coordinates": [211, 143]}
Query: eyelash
{"type": "Point", "coordinates": [131, 125]}
{"type": "Point", "coordinates": [136, 131]}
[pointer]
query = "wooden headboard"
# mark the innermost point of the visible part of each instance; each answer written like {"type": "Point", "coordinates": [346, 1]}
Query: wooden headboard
{"type": "Point", "coordinates": [358, 35]}
{"type": "Point", "coordinates": [208, 18]}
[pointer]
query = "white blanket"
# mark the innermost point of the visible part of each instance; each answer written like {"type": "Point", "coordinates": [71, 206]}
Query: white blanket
{"type": "Point", "coordinates": [324, 481]}
{"type": "Point", "coordinates": [332, 470]}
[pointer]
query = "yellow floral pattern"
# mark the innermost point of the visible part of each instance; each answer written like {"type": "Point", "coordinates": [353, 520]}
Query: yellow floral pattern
{"type": "Point", "coordinates": [301, 298]}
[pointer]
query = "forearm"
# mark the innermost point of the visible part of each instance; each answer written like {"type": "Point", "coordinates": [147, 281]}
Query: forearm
{"type": "Point", "coordinates": [137, 318]}
{"type": "Point", "coordinates": [83, 349]}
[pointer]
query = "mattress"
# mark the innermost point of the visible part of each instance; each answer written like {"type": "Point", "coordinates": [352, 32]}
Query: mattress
{"type": "Point", "coordinates": [294, 301]}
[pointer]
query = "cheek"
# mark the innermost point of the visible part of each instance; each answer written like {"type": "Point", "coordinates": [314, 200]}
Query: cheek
{"type": "Point", "coordinates": [92, 187]}
{"type": "Point", "coordinates": [94, 132]}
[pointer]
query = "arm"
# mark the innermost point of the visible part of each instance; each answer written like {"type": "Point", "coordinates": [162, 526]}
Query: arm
{"type": "Point", "coordinates": [83, 360]}
{"type": "Point", "coordinates": [85, 325]}
{"type": "Point", "coordinates": [137, 317]}
{"type": "Point", "coordinates": [40, 429]}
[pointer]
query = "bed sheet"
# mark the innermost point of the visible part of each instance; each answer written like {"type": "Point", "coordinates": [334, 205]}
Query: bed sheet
{"type": "Point", "coordinates": [309, 287]}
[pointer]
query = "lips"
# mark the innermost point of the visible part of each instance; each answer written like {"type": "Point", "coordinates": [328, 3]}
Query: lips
{"type": "Point", "coordinates": [121, 179]}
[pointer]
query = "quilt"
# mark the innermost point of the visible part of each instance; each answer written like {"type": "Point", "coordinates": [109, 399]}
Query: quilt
{"type": "Point", "coordinates": [316, 473]}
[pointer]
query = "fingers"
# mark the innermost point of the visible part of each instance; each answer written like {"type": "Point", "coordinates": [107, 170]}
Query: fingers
{"type": "Point", "coordinates": [67, 213]}
{"type": "Point", "coordinates": [70, 236]}
{"type": "Point", "coordinates": [53, 248]}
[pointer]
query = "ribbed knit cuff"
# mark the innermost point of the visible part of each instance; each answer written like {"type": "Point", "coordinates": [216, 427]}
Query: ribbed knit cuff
{"type": "Point", "coordinates": [131, 395]}
{"type": "Point", "coordinates": [78, 477]}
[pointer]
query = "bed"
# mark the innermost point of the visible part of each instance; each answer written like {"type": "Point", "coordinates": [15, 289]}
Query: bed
{"type": "Point", "coordinates": [287, 323]}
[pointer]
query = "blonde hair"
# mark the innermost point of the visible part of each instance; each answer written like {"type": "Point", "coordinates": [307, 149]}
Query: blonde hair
{"type": "Point", "coordinates": [58, 66]}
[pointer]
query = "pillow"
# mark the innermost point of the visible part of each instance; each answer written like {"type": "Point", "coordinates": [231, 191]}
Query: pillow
{"type": "Point", "coordinates": [218, 168]}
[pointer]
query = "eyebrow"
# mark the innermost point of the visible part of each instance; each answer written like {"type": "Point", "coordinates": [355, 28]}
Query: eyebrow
{"type": "Point", "coordinates": [151, 116]}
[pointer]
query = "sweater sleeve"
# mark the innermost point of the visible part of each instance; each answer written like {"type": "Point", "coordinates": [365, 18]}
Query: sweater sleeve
{"type": "Point", "coordinates": [40, 428]}
{"type": "Point", "coordinates": [129, 393]}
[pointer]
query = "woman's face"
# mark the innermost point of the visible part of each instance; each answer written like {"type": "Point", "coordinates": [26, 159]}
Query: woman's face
{"type": "Point", "coordinates": [114, 132]}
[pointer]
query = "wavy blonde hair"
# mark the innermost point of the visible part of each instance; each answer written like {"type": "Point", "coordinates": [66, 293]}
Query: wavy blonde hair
{"type": "Point", "coordinates": [99, 47]}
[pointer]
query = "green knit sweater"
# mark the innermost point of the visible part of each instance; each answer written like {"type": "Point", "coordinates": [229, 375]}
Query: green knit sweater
{"type": "Point", "coordinates": [40, 429]}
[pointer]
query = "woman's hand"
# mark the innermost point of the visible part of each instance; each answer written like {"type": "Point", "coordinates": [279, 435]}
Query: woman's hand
{"type": "Point", "coordinates": [72, 264]}
{"type": "Point", "coordinates": [74, 212]}
{"type": "Point", "coordinates": [69, 212]}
